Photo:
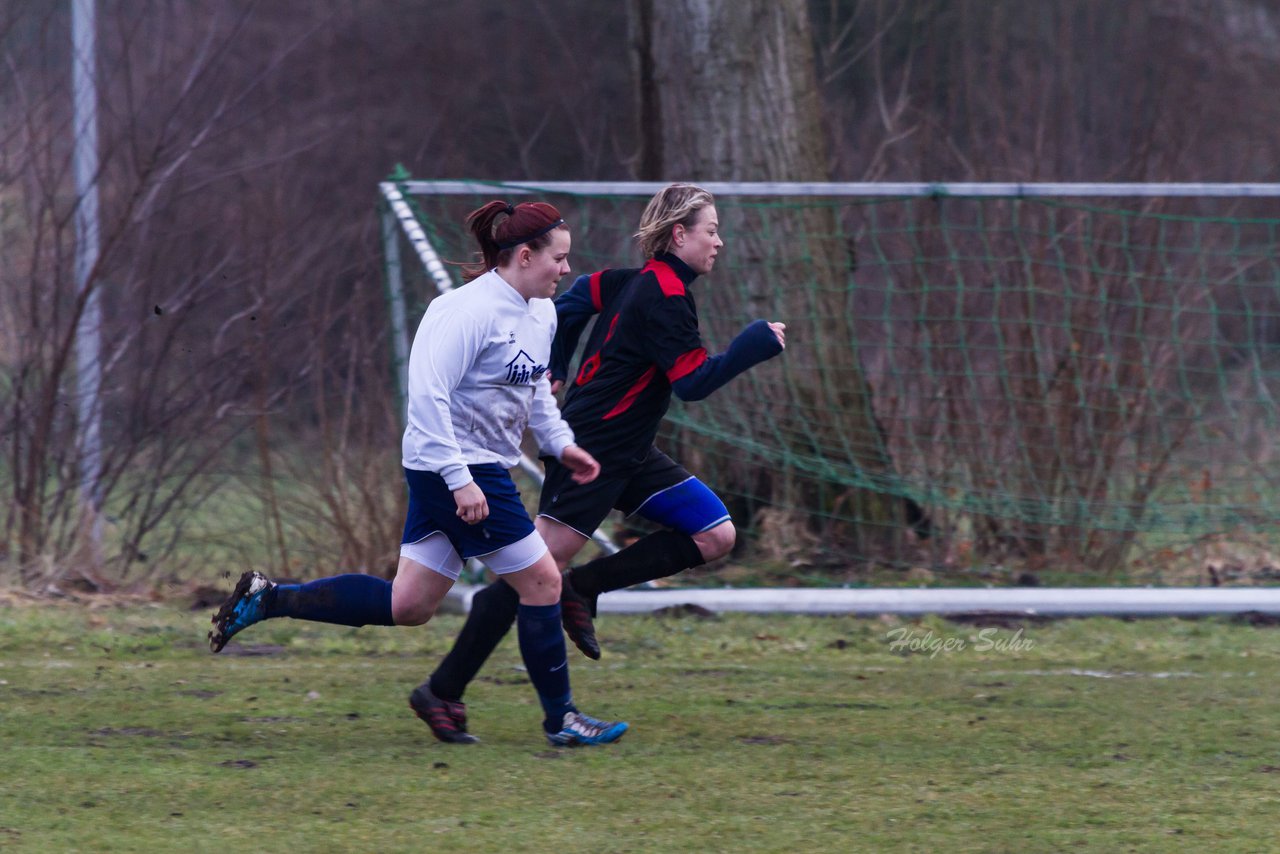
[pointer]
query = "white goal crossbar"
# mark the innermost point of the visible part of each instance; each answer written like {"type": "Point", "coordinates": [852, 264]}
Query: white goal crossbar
{"type": "Point", "coordinates": [751, 188]}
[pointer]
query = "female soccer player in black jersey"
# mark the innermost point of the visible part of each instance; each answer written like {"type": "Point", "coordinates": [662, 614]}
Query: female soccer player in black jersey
{"type": "Point", "coordinates": [644, 346]}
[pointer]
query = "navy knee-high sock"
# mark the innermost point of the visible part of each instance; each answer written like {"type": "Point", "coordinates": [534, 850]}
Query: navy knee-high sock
{"type": "Point", "coordinates": [542, 648]}
{"type": "Point", "coordinates": [348, 600]}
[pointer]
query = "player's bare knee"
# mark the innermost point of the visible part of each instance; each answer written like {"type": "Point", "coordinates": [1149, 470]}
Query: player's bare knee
{"type": "Point", "coordinates": [547, 578]}
{"type": "Point", "coordinates": [411, 611]}
{"type": "Point", "coordinates": [716, 542]}
{"type": "Point", "coordinates": [538, 584]}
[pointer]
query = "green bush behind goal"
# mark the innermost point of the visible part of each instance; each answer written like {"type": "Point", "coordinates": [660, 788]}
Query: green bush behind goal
{"type": "Point", "coordinates": [1035, 376]}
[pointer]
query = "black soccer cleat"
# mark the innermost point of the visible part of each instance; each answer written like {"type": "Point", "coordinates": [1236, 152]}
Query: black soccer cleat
{"type": "Point", "coordinates": [576, 612]}
{"type": "Point", "coordinates": [447, 719]}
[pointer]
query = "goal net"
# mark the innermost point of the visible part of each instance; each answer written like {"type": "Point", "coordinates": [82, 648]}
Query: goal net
{"type": "Point", "coordinates": [996, 378]}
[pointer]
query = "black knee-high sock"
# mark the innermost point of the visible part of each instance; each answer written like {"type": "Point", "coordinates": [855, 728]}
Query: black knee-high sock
{"type": "Point", "coordinates": [493, 613]}
{"type": "Point", "coordinates": [658, 555]}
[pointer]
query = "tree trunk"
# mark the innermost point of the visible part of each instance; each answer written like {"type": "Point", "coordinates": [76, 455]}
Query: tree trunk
{"type": "Point", "coordinates": [728, 92]}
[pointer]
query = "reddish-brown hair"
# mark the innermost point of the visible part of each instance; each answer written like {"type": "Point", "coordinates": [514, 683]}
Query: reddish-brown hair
{"type": "Point", "coordinates": [499, 228]}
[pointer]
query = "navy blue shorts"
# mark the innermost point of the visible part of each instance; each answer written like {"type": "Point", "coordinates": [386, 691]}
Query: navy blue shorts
{"type": "Point", "coordinates": [432, 508]}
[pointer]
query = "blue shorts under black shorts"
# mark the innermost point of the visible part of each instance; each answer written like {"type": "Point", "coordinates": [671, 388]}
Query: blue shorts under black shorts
{"type": "Point", "coordinates": [657, 488]}
{"type": "Point", "coordinates": [432, 509]}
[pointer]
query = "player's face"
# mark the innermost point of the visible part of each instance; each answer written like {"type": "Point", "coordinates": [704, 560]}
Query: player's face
{"type": "Point", "coordinates": [548, 265]}
{"type": "Point", "coordinates": [698, 244]}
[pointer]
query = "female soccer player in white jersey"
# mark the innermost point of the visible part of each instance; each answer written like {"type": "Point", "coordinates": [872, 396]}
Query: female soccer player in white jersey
{"type": "Point", "coordinates": [477, 378]}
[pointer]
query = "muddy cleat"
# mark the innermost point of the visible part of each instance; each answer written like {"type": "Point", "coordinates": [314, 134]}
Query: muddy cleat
{"type": "Point", "coordinates": [577, 729]}
{"type": "Point", "coordinates": [246, 605]}
{"type": "Point", "coordinates": [447, 719]}
{"type": "Point", "coordinates": [576, 613]}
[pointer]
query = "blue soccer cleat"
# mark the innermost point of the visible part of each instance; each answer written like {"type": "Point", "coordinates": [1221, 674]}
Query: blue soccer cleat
{"type": "Point", "coordinates": [246, 605]}
{"type": "Point", "coordinates": [577, 730]}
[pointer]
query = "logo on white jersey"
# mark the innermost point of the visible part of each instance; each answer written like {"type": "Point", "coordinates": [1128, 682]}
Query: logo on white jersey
{"type": "Point", "coordinates": [522, 370]}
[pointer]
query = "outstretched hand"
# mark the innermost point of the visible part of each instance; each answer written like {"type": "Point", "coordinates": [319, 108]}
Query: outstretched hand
{"type": "Point", "coordinates": [779, 332]}
{"type": "Point", "coordinates": [584, 466]}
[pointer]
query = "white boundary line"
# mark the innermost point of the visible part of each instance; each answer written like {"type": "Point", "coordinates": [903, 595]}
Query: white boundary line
{"type": "Point", "coordinates": [1042, 602]}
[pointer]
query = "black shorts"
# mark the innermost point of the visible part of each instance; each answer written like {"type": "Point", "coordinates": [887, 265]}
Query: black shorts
{"type": "Point", "coordinates": [659, 489]}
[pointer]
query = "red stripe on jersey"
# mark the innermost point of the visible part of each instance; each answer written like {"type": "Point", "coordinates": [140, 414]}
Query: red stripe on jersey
{"type": "Point", "coordinates": [667, 278]}
{"type": "Point", "coordinates": [632, 393]}
{"type": "Point", "coordinates": [591, 365]}
{"type": "Point", "coordinates": [588, 369]}
{"type": "Point", "coordinates": [687, 364]}
{"type": "Point", "coordinates": [596, 299]}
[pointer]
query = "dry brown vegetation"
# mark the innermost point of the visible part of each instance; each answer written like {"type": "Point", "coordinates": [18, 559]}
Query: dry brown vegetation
{"type": "Point", "coordinates": [240, 278]}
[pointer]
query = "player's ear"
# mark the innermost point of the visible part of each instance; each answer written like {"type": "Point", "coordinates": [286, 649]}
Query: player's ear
{"type": "Point", "coordinates": [524, 254]}
{"type": "Point", "coordinates": [677, 234]}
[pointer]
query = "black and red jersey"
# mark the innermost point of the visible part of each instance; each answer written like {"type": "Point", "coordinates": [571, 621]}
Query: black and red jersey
{"type": "Point", "coordinates": [645, 344]}
{"type": "Point", "coordinates": [645, 338]}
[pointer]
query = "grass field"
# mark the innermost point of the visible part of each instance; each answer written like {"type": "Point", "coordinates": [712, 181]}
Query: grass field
{"type": "Point", "coordinates": [120, 732]}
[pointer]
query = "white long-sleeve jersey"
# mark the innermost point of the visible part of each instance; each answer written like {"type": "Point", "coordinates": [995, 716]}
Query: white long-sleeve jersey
{"type": "Point", "coordinates": [477, 378]}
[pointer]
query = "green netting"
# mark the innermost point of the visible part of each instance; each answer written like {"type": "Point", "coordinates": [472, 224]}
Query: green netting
{"type": "Point", "coordinates": [975, 379]}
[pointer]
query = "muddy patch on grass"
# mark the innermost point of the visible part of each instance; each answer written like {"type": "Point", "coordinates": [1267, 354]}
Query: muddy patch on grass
{"type": "Point", "coordinates": [137, 731]}
{"type": "Point", "coordinates": [1010, 620]}
{"type": "Point", "coordinates": [199, 693]}
{"type": "Point", "coordinates": [504, 680]}
{"type": "Point", "coordinates": [238, 763]}
{"type": "Point", "coordinates": [16, 691]}
{"type": "Point", "coordinates": [800, 705]}
{"type": "Point", "coordinates": [236, 650]}
{"type": "Point", "coordinates": [1259, 619]}
{"type": "Point", "coordinates": [688, 609]}
{"type": "Point", "coordinates": [106, 736]}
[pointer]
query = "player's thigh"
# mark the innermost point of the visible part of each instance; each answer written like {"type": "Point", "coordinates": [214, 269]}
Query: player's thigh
{"type": "Point", "coordinates": [417, 591]}
{"type": "Point", "coordinates": [562, 541]}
